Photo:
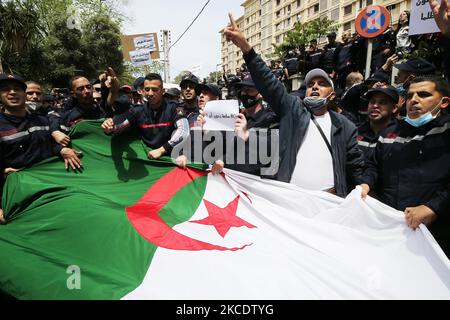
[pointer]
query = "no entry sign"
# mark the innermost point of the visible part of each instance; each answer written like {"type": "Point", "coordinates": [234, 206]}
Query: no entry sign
{"type": "Point", "coordinates": [372, 21]}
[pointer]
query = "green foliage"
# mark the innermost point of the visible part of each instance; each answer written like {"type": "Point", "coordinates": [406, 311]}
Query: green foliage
{"type": "Point", "coordinates": [181, 75]}
{"type": "Point", "coordinates": [101, 45]}
{"type": "Point", "coordinates": [303, 33]}
{"type": "Point", "coordinates": [37, 42]}
{"type": "Point", "coordinates": [214, 76]}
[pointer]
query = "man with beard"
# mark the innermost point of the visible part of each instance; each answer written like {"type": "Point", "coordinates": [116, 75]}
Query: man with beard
{"type": "Point", "coordinates": [83, 108]}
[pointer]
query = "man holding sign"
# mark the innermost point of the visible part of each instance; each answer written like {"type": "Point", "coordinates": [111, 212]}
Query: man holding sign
{"type": "Point", "coordinates": [310, 157]}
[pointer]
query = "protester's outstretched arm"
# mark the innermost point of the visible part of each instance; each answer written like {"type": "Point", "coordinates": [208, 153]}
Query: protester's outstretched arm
{"type": "Point", "coordinates": [272, 90]}
{"type": "Point", "coordinates": [442, 15]}
{"type": "Point", "coordinates": [113, 84]}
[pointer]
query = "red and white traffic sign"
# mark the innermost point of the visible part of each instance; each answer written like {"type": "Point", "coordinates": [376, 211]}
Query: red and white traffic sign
{"type": "Point", "coordinates": [372, 21]}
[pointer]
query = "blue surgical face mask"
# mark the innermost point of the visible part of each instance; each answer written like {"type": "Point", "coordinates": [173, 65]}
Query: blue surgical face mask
{"type": "Point", "coordinates": [316, 104]}
{"type": "Point", "coordinates": [423, 119]}
{"type": "Point", "coordinates": [401, 90]}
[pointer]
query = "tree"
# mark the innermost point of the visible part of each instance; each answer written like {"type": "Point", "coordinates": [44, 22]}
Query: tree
{"type": "Point", "coordinates": [20, 29]}
{"type": "Point", "coordinates": [181, 75]}
{"type": "Point", "coordinates": [101, 46]}
{"type": "Point", "coordinates": [303, 33]}
{"type": "Point", "coordinates": [214, 76]}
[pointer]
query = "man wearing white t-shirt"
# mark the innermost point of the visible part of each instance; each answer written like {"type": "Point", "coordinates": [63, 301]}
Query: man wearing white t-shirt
{"type": "Point", "coordinates": [329, 160]}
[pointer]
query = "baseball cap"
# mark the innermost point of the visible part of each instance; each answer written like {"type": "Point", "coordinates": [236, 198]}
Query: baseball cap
{"type": "Point", "coordinates": [209, 87]}
{"type": "Point", "coordinates": [317, 73]}
{"type": "Point", "coordinates": [172, 93]}
{"type": "Point", "coordinates": [418, 66]}
{"type": "Point", "coordinates": [247, 81]}
{"type": "Point", "coordinates": [4, 78]}
{"type": "Point", "coordinates": [189, 78]}
{"type": "Point", "coordinates": [390, 91]}
{"type": "Point", "coordinates": [138, 83]}
{"type": "Point", "coordinates": [378, 76]}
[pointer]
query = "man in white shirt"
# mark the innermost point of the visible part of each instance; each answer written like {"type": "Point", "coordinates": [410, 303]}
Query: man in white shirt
{"type": "Point", "coordinates": [306, 159]}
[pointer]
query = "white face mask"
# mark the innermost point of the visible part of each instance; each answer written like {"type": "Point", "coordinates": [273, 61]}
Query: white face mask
{"type": "Point", "coordinates": [33, 105]}
{"type": "Point", "coordinates": [316, 103]}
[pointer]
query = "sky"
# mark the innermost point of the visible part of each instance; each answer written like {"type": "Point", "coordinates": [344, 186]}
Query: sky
{"type": "Point", "coordinates": [201, 45]}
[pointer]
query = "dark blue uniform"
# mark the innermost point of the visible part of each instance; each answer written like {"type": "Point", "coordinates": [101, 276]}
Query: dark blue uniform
{"type": "Point", "coordinates": [156, 127]}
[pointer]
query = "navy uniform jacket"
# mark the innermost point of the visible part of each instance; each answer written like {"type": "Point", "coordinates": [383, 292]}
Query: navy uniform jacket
{"type": "Point", "coordinates": [25, 141]}
{"type": "Point", "coordinates": [64, 120]}
{"type": "Point", "coordinates": [158, 128]}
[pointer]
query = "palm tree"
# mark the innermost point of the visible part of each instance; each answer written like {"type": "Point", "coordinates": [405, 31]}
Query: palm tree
{"type": "Point", "coordinates": [20, 27]}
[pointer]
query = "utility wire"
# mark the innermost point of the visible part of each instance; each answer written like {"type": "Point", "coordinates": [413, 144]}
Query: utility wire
{"type": "Point", "coordinates": [190, 24]}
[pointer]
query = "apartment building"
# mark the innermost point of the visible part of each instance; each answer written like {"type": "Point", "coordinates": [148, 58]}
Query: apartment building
{"type": "Point", "coordinates": [266, 22]}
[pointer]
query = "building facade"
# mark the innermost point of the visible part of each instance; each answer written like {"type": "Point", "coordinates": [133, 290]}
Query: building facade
{"type": "Point", "coordinates": [266, 22]}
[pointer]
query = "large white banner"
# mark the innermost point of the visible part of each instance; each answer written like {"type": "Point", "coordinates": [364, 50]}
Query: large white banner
{"type": "Point", "coordinates": [278, 241]}
{"type": "Point", "coordinates": [422, 18]}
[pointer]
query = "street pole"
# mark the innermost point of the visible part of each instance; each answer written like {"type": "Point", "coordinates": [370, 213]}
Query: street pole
{"type": "Point", "coordinates": [369, 58]}
{"type": "Point", "coordinates": [165, 34]}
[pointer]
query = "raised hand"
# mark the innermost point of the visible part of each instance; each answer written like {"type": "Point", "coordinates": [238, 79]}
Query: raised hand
{"type": "Point", "coordinates": [233, 34]}
{"type": "Point", "coordinates": [441, 15]}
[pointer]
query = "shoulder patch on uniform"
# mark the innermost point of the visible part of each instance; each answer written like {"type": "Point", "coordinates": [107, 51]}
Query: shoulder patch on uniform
{"type": "Point", "coordinates": [180, 111]}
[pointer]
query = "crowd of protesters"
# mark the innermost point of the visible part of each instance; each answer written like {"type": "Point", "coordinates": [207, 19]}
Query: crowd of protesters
{"type": "Point", "coordinates": [336, 132]}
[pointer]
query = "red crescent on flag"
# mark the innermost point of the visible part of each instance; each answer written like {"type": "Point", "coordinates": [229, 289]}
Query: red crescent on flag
{"type": "Point", "coordinates": [144, 215]}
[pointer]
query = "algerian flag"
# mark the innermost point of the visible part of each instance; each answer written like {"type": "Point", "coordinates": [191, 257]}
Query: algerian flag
{"type": "Point", "coordinates": [128, 227]}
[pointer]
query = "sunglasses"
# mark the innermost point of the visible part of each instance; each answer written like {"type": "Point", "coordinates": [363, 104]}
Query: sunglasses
{"type": "Point", "coordinates": [154, 89]}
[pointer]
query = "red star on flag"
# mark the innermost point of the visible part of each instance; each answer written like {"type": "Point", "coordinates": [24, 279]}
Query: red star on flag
{"type": "Point", "coordinates": [223, 218]}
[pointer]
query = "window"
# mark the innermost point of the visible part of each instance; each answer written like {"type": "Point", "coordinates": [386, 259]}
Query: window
{"type": "Point", "coordinates": [335, 14]}
{"type": "Point", "coordinates": [278, 13]}
{"type": "Point", "coordinates": [390, 8]}
{"type": "Point", "coordinates": [323, 4]}
{"type": "Point", "coordinates": [288, 8]}
{"type": "Point", "coordinates": [278, 2]}
{"type": "Point", "coordinates": [361, 3]}
{"type": "Point", "coordinates": [347, 26]}
{"type": "Point", "coordinates": [277, 39]}
{"type": "Point", "coordinates": [347, 9]}
{"type": "Point", "coordinates": [299, 3]}
{"type": "Point", "coordinates": [316, 8]}
{"type": "Point", "coordinates": [369, 2]}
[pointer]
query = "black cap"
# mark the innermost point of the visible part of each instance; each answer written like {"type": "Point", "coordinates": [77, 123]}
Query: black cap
{"type": "Point", "coordinates": [4, 78]}
{"type": "Point", "coordinates": [48, 98]}
{"type": "Point", "coordinates": [138, 83]}
{"type": "Point", "coordinates": [247, 81]}
{"type": "Point", "coordinates": [189, 78]}
{"type": "Point", "coordinates": [233, 79]}
{"type": "Point", "coordinates": [172, 93]}
{"type": "Point", "coordinates": [378, 76]}
{"type": "Point", "coordinates": [209, 87]}
{"type": "Point", "coordinates": [331, 34]}
{"type": "Point", "coordinates": [417, 66]}
{"type": "Point", "coordinates": [390, 91]}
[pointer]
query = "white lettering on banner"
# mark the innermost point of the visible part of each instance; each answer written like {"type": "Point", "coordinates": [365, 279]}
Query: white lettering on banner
{"type": "Point", "coordinates": [145, 43]}
{"type": "Point", "coordinates": [422, 18]}
{"type": "Point", "coordinates": [221, 115]}
{"type": "Point", "coordinates": [140, 58]}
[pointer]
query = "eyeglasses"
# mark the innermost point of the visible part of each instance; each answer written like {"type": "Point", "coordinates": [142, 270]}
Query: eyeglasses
{"type": "Point", "coordinates": [154, 89]}
{"type": "Point", "coordinates": [82, 88]}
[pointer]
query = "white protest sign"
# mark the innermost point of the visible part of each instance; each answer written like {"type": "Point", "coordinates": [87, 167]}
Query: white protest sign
{"type": "Point", "coordinates": [422, 18]}
{"type": "Point", "coordinates": [145, 43]}
{"type": "Point", "coordinates": [140, 58]}
{"type": "Point", "coordinates": [220, 115]}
